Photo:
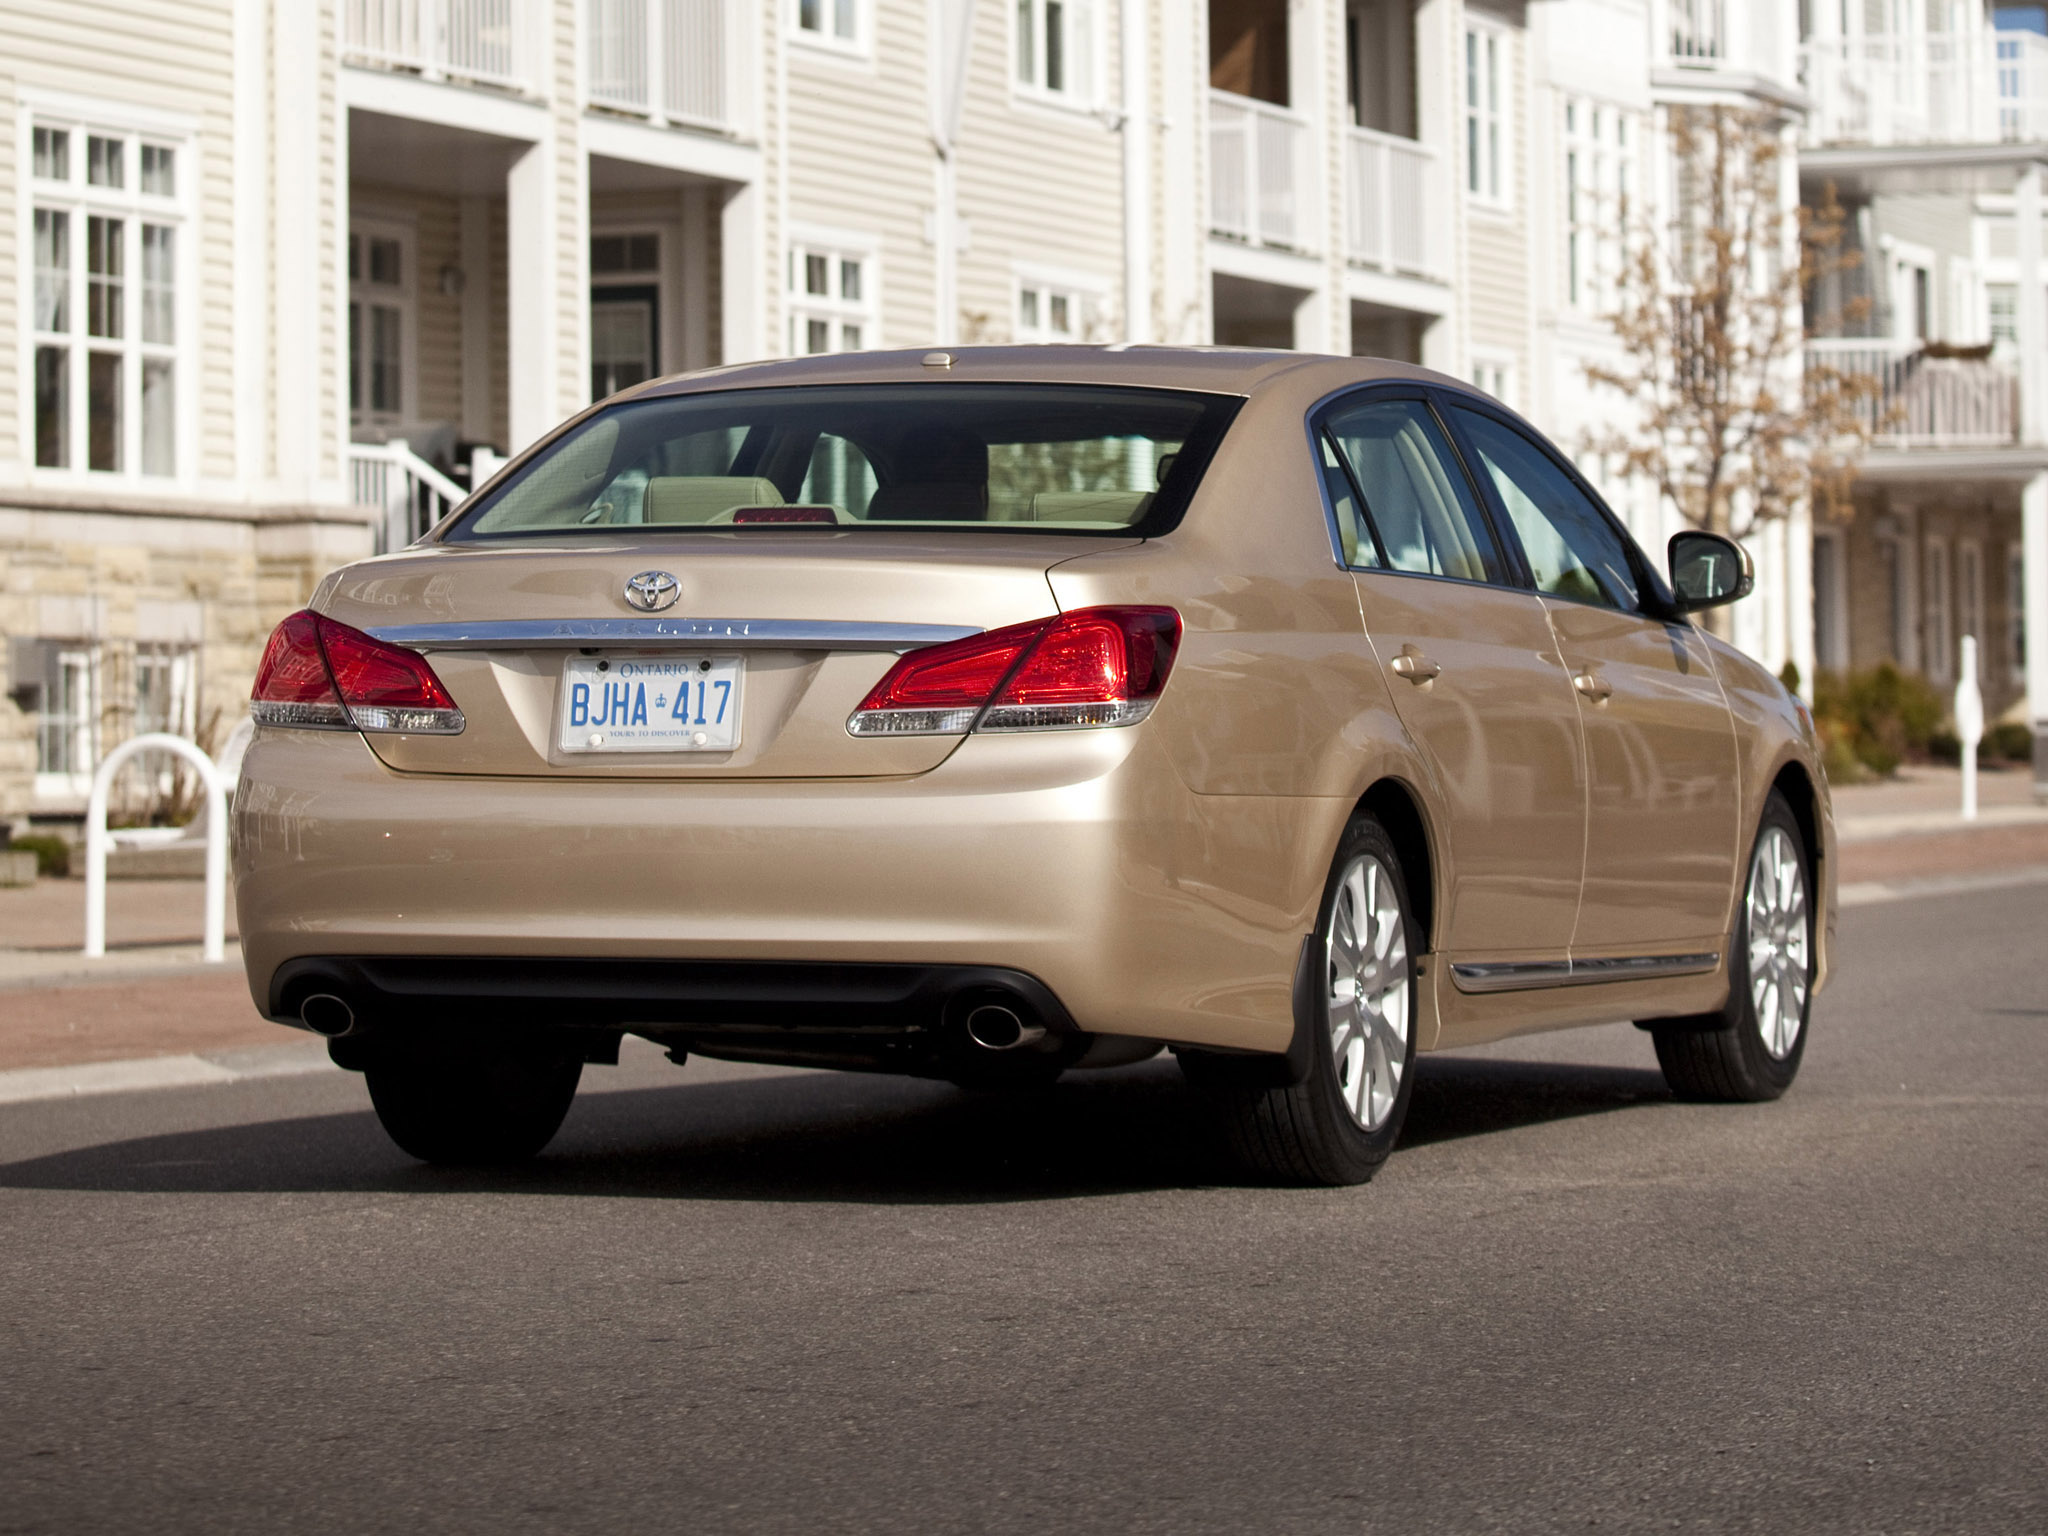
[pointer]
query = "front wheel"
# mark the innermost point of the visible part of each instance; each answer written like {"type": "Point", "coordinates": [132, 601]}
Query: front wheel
{"type": "Point", "coordinates": [1339, 1123]}
{"type": "Point", "coordinates": [488, 1104]}
{"type": "Point", "coordinates": [1750, 1051]}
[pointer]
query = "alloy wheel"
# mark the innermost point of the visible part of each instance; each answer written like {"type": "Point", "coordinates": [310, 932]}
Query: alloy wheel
{"type": "Point", "coordinates": [1779, 946]}
{"type": "Point", "coordinates": [1368, 992]}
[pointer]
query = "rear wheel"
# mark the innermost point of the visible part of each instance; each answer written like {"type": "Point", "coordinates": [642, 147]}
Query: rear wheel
{"type": "Point", "coordinates": [1339, 1123]}
{"type": "Point", "coordinates": [486, 1104]}
{"type": "Point", "coordinates": [1750, 1051]}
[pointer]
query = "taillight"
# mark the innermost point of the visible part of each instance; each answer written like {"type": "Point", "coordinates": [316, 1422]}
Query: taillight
{"type": "Point", "coordinates": [320, 674]}
{"type": "Point", "coordinates": [1091, 667]}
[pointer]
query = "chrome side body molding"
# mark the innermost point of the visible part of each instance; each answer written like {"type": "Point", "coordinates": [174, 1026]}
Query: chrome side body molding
{"type": "Point", "coordinates": [1479, 977]}
{"type": "Point", "coordinates": [577, 634]}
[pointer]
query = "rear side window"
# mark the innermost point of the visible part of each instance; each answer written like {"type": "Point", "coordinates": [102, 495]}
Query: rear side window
{"type": "Point", "coordinates": [1001, 457]}
{"type": "Point", "coordinates": [1416, 499]}
{"type": "Point", "coordinates": [1574, 552]}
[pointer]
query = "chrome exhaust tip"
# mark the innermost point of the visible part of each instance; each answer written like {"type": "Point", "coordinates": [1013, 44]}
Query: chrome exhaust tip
{"type": "Point", "coordinates": [325, 1014]}
{"type": "Point", "coordinates": [995, 1027]}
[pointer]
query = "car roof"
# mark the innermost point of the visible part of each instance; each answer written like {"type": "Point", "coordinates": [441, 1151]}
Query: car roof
{"type": "Point", "coordinates": [1218, 370]}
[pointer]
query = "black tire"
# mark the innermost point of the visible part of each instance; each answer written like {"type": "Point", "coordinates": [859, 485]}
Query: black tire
{"type": "Point", "coordinates": [1304, 1133]}
{"type": "Point", "coordinates": [498, 1103]}
{"type": "Point", "coordinates": [1723, 1057]}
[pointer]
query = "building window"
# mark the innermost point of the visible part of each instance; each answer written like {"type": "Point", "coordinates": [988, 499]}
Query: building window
{"type": "Point", "coordinates": [1937, 656]}
{"type": "Point", "coordinates": [838, 22]}
{"type": "Point", "coordinates": [107, 232]}
{"type": "Point", "coordinates": [55, 682]}
{"type": "Point", "coordinates": [831, 305]}
{"type": "Point", "coordinates": [625, 310]}
{"type": "Point", "coordinates": [380, 325]}
{"type": "Point", "coordinates": [1487, 176]}
{"type": "Point", "coordinates": [1052, 311]}
{"type": "Point", "coordinates": [1495, 374]}
{"type": "Point", "coordinates": [1054, 47]}
{"type": "Point", "coordinates": [1597, 187]}
{"type": "Point", "coordinates": [1829, 627]}
{"type": "Point", "coordinates": [1970, 600]}
{"type": "Point", "coordinates": [2002, 300]}
{"type": "Point", "coordinates": [1898, 601]}
{"type": "Point", "coordinates": [166, 688]}
{"type": "Point", "coordinates": [2016, 611]}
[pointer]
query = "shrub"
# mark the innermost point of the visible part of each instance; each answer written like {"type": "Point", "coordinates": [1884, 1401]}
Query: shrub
{"type": "Point", "coordinates": [53, 854]}
{"type": "Point", "coordinates": [2012, 740]}
{"type": "Point", "coordinates": [1883, 714]}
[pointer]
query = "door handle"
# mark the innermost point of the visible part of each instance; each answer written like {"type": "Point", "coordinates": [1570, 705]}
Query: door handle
{"type": "Point", "coordinates": [1414, 666]}
{"type": "Point", "coordinates": [1593, 686]}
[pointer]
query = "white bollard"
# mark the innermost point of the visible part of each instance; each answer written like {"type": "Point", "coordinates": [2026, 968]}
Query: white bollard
{"type": "Point", "coordinates": [1969, 707]}
{"type": "Point", "coordinates": [96, 840]}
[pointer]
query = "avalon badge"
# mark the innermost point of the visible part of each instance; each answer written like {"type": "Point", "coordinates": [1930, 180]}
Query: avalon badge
{"type": "Point", "coordinates": [652, 591]}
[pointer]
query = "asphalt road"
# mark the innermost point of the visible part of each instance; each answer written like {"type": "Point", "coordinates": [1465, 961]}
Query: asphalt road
{"type": "Point", "coordinates": [809, 1302]}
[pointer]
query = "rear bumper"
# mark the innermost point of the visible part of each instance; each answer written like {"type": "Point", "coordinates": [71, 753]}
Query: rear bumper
{"type": "Point", "coordinates": [1075, 861]}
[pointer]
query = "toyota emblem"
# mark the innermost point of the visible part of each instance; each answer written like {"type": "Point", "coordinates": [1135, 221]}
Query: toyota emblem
{"type": "Point", "coordinates": [652, 591]}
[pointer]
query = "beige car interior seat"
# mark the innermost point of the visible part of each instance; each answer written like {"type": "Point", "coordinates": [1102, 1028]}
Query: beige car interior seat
{"type": "Point", "coordinates": [1116, 509]}
{"type": "Point", "coordinates": [701, 498]}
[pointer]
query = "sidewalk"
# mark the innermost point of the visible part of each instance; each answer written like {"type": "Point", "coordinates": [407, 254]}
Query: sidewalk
{"type": "Point", "coordinates": [151, 1014]}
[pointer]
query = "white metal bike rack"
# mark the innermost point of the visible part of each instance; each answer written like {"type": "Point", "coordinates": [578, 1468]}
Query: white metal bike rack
{"type": "Point", "coordinates": [96, 839]}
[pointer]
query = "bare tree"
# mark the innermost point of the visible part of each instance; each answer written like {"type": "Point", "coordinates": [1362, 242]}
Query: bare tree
{"type": "Point", "coordinates": [1732, 423]}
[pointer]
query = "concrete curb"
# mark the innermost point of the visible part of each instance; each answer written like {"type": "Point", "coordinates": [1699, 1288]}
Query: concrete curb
{"type": "Point", "coordinates": [27, 1085]}
{"type": "Point", "coordinates": [21, 968]}
{"type": "Point", "coordinates": [1865, 893]}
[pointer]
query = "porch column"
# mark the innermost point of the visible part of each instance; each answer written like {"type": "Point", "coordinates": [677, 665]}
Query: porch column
{"type": "Point", "coordinates": [2032, 307]}
{"type": "Point", "coordinates": [2034, 577]}
{"type": "Point", "coordinates": [532, 338]}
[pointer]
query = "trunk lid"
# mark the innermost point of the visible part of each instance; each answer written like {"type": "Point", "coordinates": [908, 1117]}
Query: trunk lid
{"type": "Point", "coordinates": [815, 617]}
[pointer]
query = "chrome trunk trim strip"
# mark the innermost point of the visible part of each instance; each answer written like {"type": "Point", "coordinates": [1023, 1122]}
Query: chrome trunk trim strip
{"type": "Point", "coordinates": [1472, 977]}
{"type": "Point", "coordinates": [577, 634]}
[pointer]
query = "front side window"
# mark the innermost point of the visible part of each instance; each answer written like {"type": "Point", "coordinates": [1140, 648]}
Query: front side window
{"type": "Point", "coordinates": [1011, 458]}
{"type": "Point", "coordinates": [1573, 550]}
{"type": "Point", "coordinates": [1486, 108]}
{"type": "Point", "coordinates": [1054, 47]}
{"type": "Point", "coordinates": [1419, 512]}
{"type": "Point", "coordinates": [107, 245]}
{"type": "Point", "coordinates": [831, 304]}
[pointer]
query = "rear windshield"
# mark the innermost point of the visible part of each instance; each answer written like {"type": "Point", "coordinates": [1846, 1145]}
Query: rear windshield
{"type": "Point", "coordinates": [1010, 458]}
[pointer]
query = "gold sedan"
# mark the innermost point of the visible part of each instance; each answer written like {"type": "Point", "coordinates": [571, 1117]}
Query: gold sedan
{"type": "Point", "coordinates": [992, 714]}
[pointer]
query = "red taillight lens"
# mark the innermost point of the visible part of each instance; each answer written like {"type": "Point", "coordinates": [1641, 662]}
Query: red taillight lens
{"type": "Point", "coordinates": [319, 673]}
{"type": "Point", "coordinates": [293, 686]}
{"type": "Point", "coordinates": [1094, 666]}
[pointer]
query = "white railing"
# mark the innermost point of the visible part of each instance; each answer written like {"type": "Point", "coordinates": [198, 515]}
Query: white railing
{"type": "Point", "coordinates": [665, 60]}
{"type": "Point", "coordinates": [1390, 203]}
{"type": "Point", "coordinates": [410, 492]}
{"type": "Point", "coordinates": [1256, 151]}
{"type": "Point", "coordinates": [1699, 31]}
{"type": "Point", "coordinates": [1969, 88]}
{"type": "Point", "coordinates": [482, 42]}
{"type": "Point", "coordinates": [1925, 402]}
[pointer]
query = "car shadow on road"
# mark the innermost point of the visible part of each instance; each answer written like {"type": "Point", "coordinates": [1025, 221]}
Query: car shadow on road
{"type": "Point", "coordinates": [830, 1137]}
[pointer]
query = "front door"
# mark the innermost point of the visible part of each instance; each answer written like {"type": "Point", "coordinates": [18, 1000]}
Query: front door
{"type": "Point", "coordinates": [1476, 680]}
{"type": "Point", "coordinates": [1664, 785]}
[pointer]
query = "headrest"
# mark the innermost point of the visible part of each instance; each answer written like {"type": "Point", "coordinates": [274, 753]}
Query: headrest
{"type": "Point", "coordinates": [938, 456]}
{"type": "Point", "coordinates": [700, 498]}
{"type": "Point", "coordinates": [1089, 506]}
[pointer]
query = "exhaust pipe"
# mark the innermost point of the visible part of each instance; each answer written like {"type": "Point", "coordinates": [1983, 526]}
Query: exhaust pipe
{"type": "Point", "coordinates": [325, 1014]}
{"type": "Point", "coordinates": [995, 1027]}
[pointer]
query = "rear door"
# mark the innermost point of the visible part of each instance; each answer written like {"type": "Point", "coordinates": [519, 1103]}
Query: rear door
{"type": "Point", "coordinates": [1664, 781]}
{"type": "Point", "coordinates": [1475, 675]}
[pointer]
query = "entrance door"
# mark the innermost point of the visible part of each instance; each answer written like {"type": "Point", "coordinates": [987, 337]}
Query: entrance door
{"type": "Point", "coordinates": [1663, 777]}
{"type": "Point", "coordinates": [1477, 682]}
{"type": "Point", "coordinates": [623, 338]}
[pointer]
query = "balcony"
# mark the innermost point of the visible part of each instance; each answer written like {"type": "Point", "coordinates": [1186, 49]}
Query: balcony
{"type": "Point", "coordinates": [1699, 31]}
{"type": "Point", "coordinates": [1926, 402]}
{"type": "Point", "coordinates": [1258, 156]}
{"type": "Point", "coordinates": [1391, 195]}
{"type": "Point", "coordinates": [1981, 88]}
{"type": "Point", "coordinates": [663, 60]}
{"type": "Point", "coordinates": [474, 42]}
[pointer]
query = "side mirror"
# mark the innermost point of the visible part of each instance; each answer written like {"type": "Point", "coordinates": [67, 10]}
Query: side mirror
{"type": "Point", "coordinates": [1708, 570]}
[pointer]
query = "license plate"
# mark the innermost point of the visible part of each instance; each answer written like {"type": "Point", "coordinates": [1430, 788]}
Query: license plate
{"type": "Point", "coordinates": [650, 704]}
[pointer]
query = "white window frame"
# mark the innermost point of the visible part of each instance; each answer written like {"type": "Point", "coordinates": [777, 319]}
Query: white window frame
{"type": "Point", "coordinates": [1493, 370]}
{"type": "Point", "coordinates": [1084, 298]}
{"type": "Point", "coordinates": [1030, 57]}
{"type": "Point", "coordinates": [1937, 612]}
{"type": "Point", "coordinates": [51, 655]}
{"type": "Point", "coordinates": [832, 308]}
{"type": "Point", "coordinates": [1831, 619]}
{"type": "Point", "coordinates": [827, 36]}
{"type": "Point", "coordinates": [656, 278]}
{"type": "Point", "coordinates": [77, 201]}
{"type": "Point", "coordinates": [1486, 108]}
{"type": "Point", "coordinates": [1599, 186]}
{"type": "Point", "coordinates": [373, 226]}
{"type": "Point", "coordinates": [1970, 600]}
